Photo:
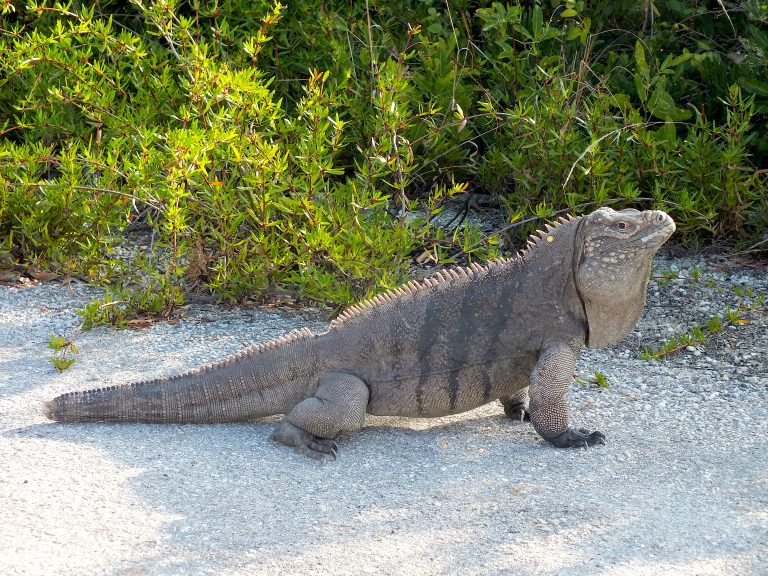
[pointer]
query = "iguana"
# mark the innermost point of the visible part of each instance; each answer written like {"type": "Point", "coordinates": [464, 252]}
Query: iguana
{"type": "Point", "coordinates": [511, 329]}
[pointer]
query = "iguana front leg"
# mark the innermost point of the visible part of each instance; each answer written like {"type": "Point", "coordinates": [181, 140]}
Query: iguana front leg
{"type": "Point", "coordinates": [337, 407]}
{"type": "Point", "coordinates": [549, 412]}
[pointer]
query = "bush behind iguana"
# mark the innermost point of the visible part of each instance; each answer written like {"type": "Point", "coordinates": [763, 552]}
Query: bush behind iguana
{"type": "Point", "coordinates": [511, 329]}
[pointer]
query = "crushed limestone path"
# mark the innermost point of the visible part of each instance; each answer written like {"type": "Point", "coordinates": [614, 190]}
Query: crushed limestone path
{"type": "Point", "coordinates": [680, 488]}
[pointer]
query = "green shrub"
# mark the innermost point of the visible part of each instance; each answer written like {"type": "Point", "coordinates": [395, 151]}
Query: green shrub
{"type": "Point", "coordinates": [207, 153]}
{"type": "Point", "coordinates": [269, 147]}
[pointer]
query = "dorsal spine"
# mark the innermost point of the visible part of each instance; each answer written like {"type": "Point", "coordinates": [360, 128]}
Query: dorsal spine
{"type": "Point", "coordinates": [449, 275]}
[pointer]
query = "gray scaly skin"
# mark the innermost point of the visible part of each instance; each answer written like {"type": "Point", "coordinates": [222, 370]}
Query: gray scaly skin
{"type": "Point", "coordinates": [510, 330]}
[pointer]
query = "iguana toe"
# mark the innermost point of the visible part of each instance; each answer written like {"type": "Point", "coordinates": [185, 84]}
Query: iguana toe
{"type": "Point", "coordinates": [306, 443]}
{"type": "Point", "coordinates": [319, 449]}
{"type": "Point", "coordinates": [573, 438]}
{"type": "Point", "coordinates": [517, 412]}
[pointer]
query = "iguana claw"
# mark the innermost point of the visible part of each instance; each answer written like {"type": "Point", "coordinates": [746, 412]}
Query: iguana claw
{"type": "Point", "coordinates": [578, 438]}
{"type": "Point", "coordinates": [517, 412]}
{"type": "Point", "coordinates": [320, 448]}
{"type": "Point", "coordinates": [306, 443]}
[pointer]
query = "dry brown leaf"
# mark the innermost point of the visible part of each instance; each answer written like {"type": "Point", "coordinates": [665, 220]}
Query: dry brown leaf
{"type": "Point", "coordinates": [42, 275]}
{"type": "Point", "coordinates": [140, 323]}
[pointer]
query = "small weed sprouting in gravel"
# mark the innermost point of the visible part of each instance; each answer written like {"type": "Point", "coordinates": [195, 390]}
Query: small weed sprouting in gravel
{"type": "Point", "coordinates": [695, 275]}
{"type": "Point", "coordinates": [599, 379]}
{"type": "Point", "coordinates": [669, 346]}
{"type": "Point", "coordinates": [667, 276]}
{"type": "Point", "coordinates": [714, 324]}
{"type": "Point", "coordinates": [731, 315]}
{"type": "Point", "coordinates": [61, 347]}
{"type": "Point", "coordinates": [122, 306]}
{"type": "Point", "coordinates": [697, 335]}
{"type": "Point", "coordinates": [747, 301]}
{"type": "Point", "coordinates": [107, 310]}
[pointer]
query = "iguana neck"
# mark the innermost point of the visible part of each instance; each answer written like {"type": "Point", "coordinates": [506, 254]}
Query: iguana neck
{"type": "Point", "coordinates": [611, 313]}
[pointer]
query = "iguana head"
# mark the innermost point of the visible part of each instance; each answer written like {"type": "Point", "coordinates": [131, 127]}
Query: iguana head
{"type": "Point", "coordinates": [613, 268]}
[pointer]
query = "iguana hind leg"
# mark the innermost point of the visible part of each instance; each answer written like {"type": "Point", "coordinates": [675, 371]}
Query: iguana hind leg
{"type": "Point", "coordinates": [338, 407]}
{"type": "Point", "coordinates": [549, 412]}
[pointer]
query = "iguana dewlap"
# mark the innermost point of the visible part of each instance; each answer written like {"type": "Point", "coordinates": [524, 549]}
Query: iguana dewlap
{"type": "Point", "coordinates": [510, 330]}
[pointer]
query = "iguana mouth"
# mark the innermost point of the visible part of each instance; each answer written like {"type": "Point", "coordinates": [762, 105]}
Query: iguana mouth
{"type": "Point", "coordinates": [660, 235]}
{"type": "Point", "coordinates": [665, 232]}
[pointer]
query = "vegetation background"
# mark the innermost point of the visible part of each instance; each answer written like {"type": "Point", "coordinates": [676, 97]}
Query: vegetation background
{"type": "Point", "coordinates": [255, 147]}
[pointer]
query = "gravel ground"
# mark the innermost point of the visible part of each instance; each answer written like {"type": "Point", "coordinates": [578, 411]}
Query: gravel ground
{"type": "Point", "coordinates": [680, 488]}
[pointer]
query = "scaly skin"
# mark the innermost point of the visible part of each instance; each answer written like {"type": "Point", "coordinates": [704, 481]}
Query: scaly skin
{"type": "Point", "coordinates": [510, 330]}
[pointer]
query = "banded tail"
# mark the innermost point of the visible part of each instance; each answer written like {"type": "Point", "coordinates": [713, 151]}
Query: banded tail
{"type": "Point", "coordinates": [194, 397]}
{"type": "Point", "coordinates": [263, 380]}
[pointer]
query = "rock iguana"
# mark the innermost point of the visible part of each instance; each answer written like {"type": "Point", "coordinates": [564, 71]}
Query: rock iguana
{"type": "Point", "coordinates": [511, 329]}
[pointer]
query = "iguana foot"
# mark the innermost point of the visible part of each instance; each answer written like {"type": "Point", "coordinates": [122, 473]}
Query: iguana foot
{"type": "Point", "coordinates": [578, 438]}
{"type": "Point", "coordinates": [517, 412]}
{"type": "Point", "coordinates": [306, 443]}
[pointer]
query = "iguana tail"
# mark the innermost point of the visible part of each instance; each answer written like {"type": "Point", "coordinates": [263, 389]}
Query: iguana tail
{"type": "Point", "coordinates": [191, 397]}
{"type": "Point", "coordinates": [263, 380]}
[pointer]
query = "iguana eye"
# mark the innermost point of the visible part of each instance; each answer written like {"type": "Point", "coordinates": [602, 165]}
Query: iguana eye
{"type": "Point", "coordinates": [621, 225]}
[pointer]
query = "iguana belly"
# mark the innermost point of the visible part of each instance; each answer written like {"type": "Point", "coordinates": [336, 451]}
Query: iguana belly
{"type": "Point", "coordinates": [447, 392]}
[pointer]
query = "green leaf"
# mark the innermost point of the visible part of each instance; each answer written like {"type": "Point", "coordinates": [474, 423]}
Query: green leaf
{"type": "Point", "coordinates": [573, 32]}
{"type": "Point", "coordinates": [663, 106]}
{"type": "Point", "coordinates": [666, 134]}
{"type": "Point", "coordinates": [623, 101]}
{"type": "Point", "coordinates": [601, 380]}
{"type": "Point", "coordinates": [569, 13]}
{"type": "Point", "coordinates": [642, 64]}
{"type": "Point", "coordinates": [524, 31]}
{"type": "Point", "coordinates": [754, 86]}
{"type": "Point", "coordinates": [642, 91]}
{"type": "Point", "coordinates": [62, 363]}
{"type": "Point", "coordinates": [537, 21]}
{"type": "Point", "coordinates": [507, 51]}
{"type": "Point", "coordinates": [759, 37]}
{"type": "Point", "coordinates": [677, 60]}
{"type": "Point", "coordinates": [56, 342]}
